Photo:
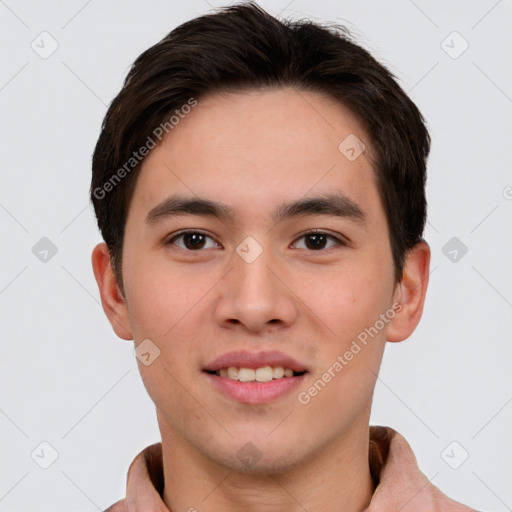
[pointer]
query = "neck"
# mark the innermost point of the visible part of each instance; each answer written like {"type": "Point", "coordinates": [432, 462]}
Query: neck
{"type": "Point", "coordinates": [335, 479]}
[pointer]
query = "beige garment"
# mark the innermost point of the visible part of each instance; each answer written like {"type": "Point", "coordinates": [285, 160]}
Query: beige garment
{"type": "Point", "coordinates": [400, 485]}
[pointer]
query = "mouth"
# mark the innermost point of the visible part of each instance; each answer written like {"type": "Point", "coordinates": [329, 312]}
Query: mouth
{"type": "Point", "coordinates": [255, 377]}
{"type": "Point", "coordinates": [261, 374]}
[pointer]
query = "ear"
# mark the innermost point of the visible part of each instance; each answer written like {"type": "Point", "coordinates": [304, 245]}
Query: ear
{"type": "Point", "coordinates": [410, 293]}
{"type": "Point", "coordinates": [112, 299]}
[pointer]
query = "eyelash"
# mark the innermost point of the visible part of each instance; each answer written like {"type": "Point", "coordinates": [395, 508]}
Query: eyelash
{"type": "Point", "coordinates": [339, 242]}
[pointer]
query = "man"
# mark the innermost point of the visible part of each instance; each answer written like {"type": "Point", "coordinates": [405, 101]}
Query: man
{"type": "Point", "coordinates": [260, 189]}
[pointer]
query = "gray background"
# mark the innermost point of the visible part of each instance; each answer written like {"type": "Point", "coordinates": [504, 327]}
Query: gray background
{"type": "Point", "coordinates": [68, 381]}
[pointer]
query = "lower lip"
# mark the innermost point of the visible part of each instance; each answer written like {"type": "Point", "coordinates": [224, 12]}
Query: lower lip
{"type": "Point", "coordinates": [255, 392]}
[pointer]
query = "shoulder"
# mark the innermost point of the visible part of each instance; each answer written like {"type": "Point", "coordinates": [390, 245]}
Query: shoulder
{"type": "Point", "coordinates": [400, 485]}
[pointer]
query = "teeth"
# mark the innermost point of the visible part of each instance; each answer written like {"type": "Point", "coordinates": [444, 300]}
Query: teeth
{"type": "Point", "coordinates": [246, 375]}
{"type": "Point", "coordinates": [278, 372]}
{"type": "Point", "coordinates": [233, 373]}
{"type": "Point", "coordinates": [263, 374]}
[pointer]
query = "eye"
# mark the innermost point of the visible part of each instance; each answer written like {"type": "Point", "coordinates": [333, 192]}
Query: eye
{"type": "Point", "coordinates": [196, 240]}
{"type": "Point", "coordinates": [192, 240]}
{"type": "Point", "coordinates": [316, 240]}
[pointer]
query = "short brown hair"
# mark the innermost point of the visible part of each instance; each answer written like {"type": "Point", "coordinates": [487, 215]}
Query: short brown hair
{"type": "Point", "coordinates": [240, 48]}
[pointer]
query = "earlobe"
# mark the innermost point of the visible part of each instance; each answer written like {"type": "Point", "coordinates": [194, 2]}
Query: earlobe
{"type": "Point", "coordinates": [112, 300]}
{"type": "Point", "coordinates": [410, 293]}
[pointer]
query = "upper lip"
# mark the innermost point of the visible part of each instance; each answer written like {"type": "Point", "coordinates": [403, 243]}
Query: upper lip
{"type": "Point", "coordinates": [245, 359]}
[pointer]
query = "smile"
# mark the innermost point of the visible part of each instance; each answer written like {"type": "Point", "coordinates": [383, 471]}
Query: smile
{"type": "Point", "coordinates": [262, 374]}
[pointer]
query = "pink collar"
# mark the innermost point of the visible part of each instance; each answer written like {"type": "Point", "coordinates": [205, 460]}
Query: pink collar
{"type": "Point", "coordinates": [400, 483]}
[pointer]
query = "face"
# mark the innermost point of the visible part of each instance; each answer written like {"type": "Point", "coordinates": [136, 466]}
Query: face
{"type": "Point", "coordinates": [253, 282]}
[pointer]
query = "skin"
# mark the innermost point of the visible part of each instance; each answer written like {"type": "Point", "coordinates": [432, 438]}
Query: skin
{"type": "Point", "coordinates": [253, 151]}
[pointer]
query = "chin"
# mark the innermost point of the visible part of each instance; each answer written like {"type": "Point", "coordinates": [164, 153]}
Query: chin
{"type": "Point", "coordinates": [259, 456]}
{"type": "Point", "coordinates": [261, 465]}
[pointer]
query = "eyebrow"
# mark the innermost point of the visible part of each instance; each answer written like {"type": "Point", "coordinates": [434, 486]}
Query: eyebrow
{"type": "Point", "coordinates": [336, 205]}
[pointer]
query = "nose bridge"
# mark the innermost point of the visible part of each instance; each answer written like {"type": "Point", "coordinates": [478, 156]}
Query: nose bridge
{"type": "Point", "coordinates": [252, 273]}
{"type": "Point", "coordinates": [252, 270]}
{"type": "Point", "coordinates": [253, 294]}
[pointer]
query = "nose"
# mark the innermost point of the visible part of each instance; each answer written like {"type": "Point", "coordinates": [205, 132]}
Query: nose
{"type": "Point", "coordinates": [256, 295]}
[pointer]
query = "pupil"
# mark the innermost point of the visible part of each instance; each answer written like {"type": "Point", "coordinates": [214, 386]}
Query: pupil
{"type": "Point", "coordinates": [194, 240]}
{"type": "Point", "coordinates": [317, 239]}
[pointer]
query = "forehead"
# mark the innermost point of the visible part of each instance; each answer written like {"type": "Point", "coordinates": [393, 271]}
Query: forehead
{"type": "Point", "coordinates": [250, 149]}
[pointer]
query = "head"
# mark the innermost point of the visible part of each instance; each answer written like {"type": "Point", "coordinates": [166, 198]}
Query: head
{"type": "Point", "coordinates": [253, 120]}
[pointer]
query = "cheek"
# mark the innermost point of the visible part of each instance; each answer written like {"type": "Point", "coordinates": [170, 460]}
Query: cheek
{"type": "Point", "coordinates": [166, 311]}
{"type": "Point", "coordinates": [342, 387]}
{"type": "Point", "coordinates": [161, 300]}
{"type": "Point", "coordinates": [351, 304]}
{"type": "Point", "coordinates": [345, 300]}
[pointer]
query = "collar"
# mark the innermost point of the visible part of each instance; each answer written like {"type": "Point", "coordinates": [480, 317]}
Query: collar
{"type": "Point", "coordinates": [400, 485]}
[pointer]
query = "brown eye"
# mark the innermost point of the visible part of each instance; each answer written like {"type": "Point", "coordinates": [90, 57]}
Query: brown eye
{"type": "Point", "coordinates": [317, 241]}
{"type": "Point", "coordinates": [191, 240]}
